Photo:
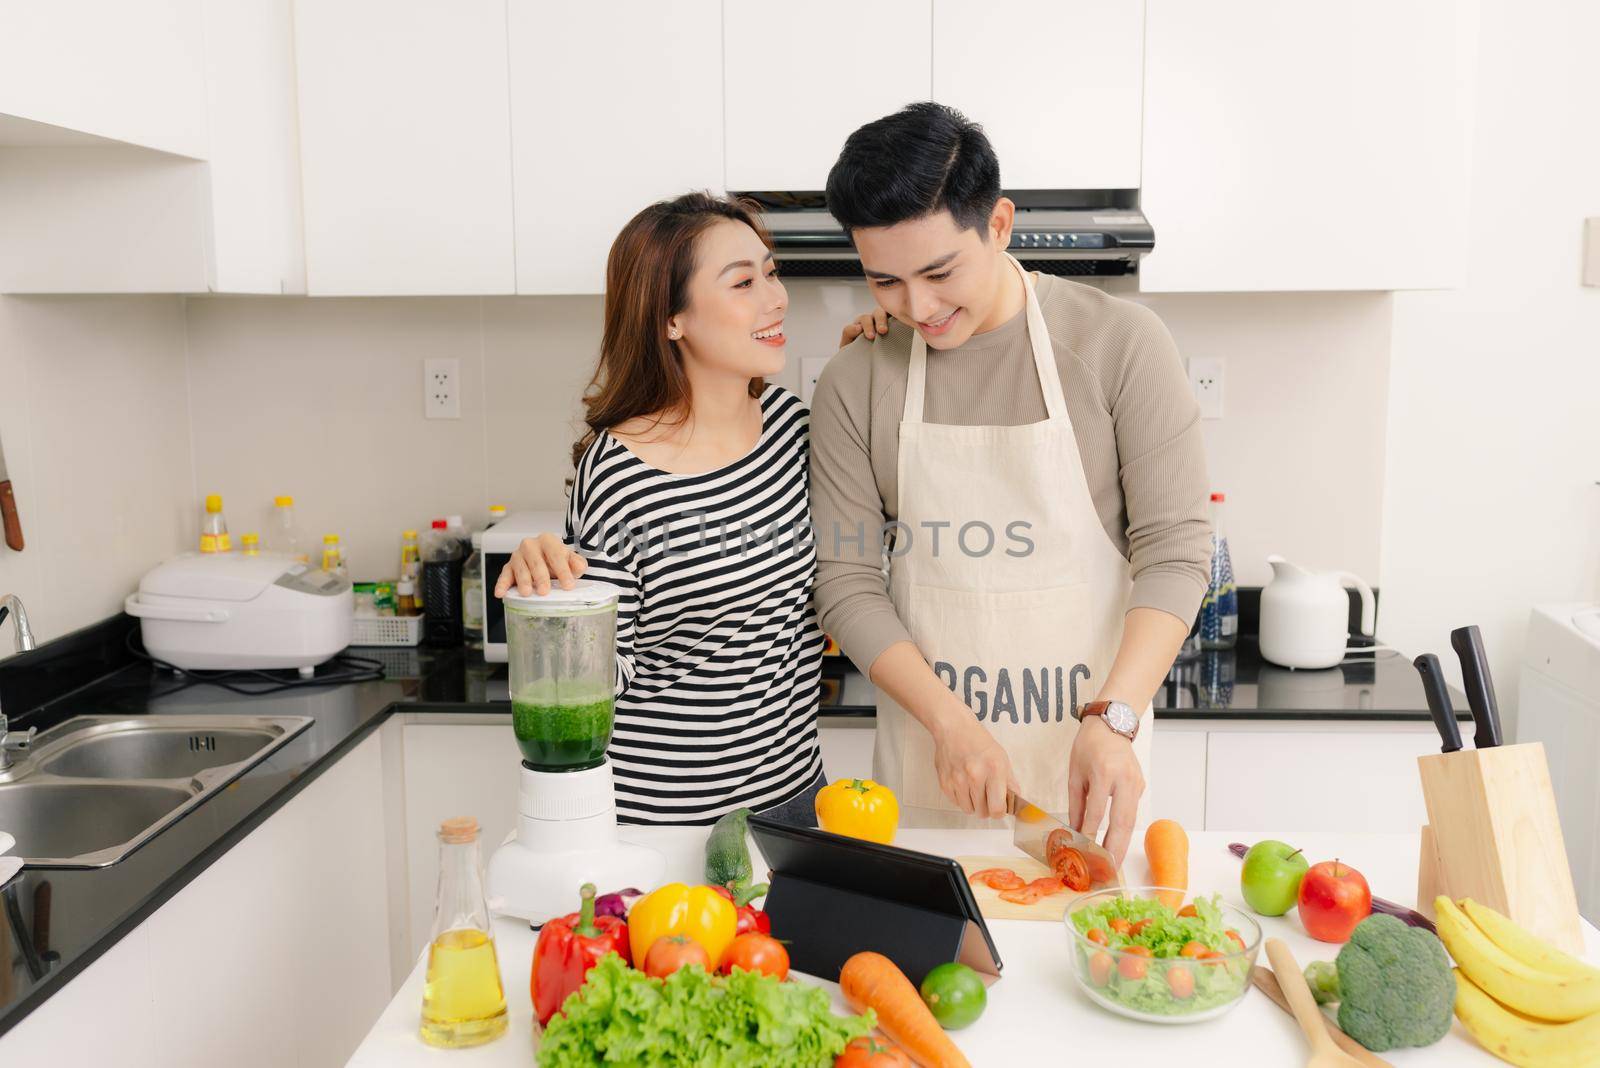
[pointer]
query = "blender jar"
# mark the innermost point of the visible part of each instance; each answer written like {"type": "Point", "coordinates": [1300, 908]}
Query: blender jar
{"type": "Point", "coordinates": [562, 651]}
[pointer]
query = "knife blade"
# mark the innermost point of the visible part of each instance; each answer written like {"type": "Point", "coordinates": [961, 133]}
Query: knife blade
{"type": "Point", "coordinates": [8, 507]}
{"type": "Point", "coordinates": [1033, 830]}
{"type": "Point", "coordinates": [1468, 644]}
{"type": "Point", "coordinates": [1444, 716]}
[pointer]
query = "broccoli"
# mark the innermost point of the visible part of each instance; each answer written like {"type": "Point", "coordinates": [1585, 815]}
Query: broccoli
{"type": "Point", "coordinates": [1392, 982]}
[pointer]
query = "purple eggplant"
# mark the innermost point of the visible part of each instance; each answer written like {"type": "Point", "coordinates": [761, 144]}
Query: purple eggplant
{"type": "Point", "coordinates": [1399, 912]}
{"type": "Point", "coordinates": [616, 904]}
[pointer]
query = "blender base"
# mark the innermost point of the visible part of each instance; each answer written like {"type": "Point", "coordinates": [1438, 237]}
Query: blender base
{"type": "Point", "coordinates": [566, 836]}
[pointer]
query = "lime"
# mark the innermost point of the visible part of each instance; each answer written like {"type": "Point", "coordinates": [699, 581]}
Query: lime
{"type": "Point", "coordinates": [955, 995]}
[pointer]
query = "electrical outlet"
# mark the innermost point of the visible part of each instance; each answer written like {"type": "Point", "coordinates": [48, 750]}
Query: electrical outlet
{"type": "Point", "coordinates": [441, 388]}
{"type": "Point", "coordinates": [1205, 378]}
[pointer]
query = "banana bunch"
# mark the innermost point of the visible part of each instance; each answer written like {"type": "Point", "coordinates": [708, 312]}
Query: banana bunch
{"type": "Point", "coordinates": [1527, 1002]}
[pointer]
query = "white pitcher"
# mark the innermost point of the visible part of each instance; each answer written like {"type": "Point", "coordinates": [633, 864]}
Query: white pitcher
{"type": "Point", "coordinates": [1305, 616]}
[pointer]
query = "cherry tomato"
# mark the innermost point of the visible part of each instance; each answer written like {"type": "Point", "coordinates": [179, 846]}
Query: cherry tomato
{"type": "Point", "coordinates": [1231, 933]}
{"type": "Point", "coordinates": [1100, 966]}
{"type": "Point", "coordinates": [1120, 925]}
{"type": "Point", "coordinates": [1140, 926]}
{"type": "Point", "coordinates": [1194, 949]}
{"type": "Point", "coordinates": [1212, 957]}
{"type": "Point", "coordinates": [1181, 982]}
{"type": "Point", "coordinates": [1189, 911]}
{"type": "Point", "coordinates": [872, 1052]}
{"type": "Point", "coordinates": [1097, 936]}
{"type": "Point", "coordinates": [671, 952]}
{"type": "Point", "coordinates": [756, 952]}
{"type": "Point", "coordinates": [1132, 964]}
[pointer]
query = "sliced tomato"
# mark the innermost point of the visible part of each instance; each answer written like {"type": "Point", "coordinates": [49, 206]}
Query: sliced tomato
{"type": "Point", "coordinates": [1139, 927]}
{"type": "Point", "coordinates": [1072, 870]}
{"type": "Point", "coordinates": [1120, 925]}
{"type": "Point", "coordinates": [997, 878]}
{"type": "Point", "coordinates": [1238, 941]}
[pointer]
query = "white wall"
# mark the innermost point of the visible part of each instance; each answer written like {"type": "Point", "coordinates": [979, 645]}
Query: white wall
{"type": "Point", "coordinates": [1490, 502]}
{"type": "Point", "coordinates": [94, 420]}
{"type": "Point", "coordinates": [322, 398]}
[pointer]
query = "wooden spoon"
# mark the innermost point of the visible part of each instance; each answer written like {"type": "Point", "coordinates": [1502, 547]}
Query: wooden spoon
{"type": "Point", "coordinates": [1324, 1054]}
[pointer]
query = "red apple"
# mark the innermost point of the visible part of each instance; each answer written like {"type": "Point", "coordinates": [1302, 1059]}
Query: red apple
{"type": "Point", "coordinates": [1334, 898]}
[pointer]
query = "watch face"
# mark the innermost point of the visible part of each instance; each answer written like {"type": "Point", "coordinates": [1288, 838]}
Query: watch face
{"type": "Point", "coordinates": [1121, 718]}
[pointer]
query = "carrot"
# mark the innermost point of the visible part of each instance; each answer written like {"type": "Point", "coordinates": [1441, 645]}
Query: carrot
{"type": "Point", "coordinates": [1166, 847]}
{"type": "Point", "coordinates": [872, 981]}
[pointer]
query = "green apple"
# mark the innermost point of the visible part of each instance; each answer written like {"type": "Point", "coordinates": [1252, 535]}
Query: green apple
{"type": "Point", "coordinates": [1271, 877]}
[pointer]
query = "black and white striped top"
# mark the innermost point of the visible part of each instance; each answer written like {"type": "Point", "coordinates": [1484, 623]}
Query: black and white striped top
{"type": "Point", "coordinates": [718, 651]}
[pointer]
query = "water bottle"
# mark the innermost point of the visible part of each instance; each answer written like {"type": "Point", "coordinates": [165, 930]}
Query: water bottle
{"type": "Point", "coordinates": [1219, 612]}
{"type": "Point", "coordinates": [283, 533]}
{"type": "Point", "coordinates": [441, 586]}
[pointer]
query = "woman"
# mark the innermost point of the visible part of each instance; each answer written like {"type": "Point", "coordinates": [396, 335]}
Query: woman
{"type": "Point", "coordinates": [690, 493]}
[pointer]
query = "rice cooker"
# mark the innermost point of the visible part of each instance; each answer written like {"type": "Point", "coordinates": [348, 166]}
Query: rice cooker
{"type": "Point", "coordinates": [224, 611]}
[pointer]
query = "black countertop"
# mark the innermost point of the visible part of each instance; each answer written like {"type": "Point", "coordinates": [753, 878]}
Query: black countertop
{"type": "Point", "coordinates": [89, 674]}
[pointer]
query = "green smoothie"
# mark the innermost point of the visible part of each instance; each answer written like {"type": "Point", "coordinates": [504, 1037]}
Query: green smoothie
{"type": "Point", "coordinates": [566, 734]}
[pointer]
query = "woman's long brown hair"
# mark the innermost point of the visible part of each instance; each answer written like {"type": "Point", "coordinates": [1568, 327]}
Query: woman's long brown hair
{"type": "Point", "coordinates": [647, 282]}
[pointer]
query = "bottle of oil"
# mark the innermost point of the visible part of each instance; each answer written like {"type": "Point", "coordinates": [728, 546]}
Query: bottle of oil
{"type": "Point", "coordinates": [463, 1003]}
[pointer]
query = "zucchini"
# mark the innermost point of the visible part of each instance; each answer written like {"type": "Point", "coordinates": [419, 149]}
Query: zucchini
{"type": "Point", "coordinates": [727, 855]}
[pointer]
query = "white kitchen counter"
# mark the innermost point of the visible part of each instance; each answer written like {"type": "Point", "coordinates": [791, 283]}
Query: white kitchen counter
{"type": "Point", "coordinates": [1037, 1000]}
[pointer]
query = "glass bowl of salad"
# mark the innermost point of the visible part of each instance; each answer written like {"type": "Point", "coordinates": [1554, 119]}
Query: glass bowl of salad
{"type": "Point", "coordinates": [1145, 953]}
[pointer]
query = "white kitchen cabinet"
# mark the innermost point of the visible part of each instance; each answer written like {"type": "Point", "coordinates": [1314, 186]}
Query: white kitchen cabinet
{"type": "Point", "coordinates": [405, 146]}
{"type": "Point", "coordinates": [1352, 779]}
{"type": "Point", "coordinates": [127, 72]}
{"type": "Point", "coordinates": [1177, 775]}
{"type": "Point", "coordinates": [612, 106]}
{"type": "Point", "coordinates": [1313, 146]}
{"type": "Point", "coordinates": [453, 769]}
{"type": "Point", "coordinates": [798, 80]}
{"type": "Point", "coordinates": [276, 954]}
{"type": "Point", "coordinates": [1056, 84]}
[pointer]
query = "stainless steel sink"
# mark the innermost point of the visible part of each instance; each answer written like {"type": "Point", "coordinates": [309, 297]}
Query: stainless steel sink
{"type": "Point", "coordinates": [95, 788]}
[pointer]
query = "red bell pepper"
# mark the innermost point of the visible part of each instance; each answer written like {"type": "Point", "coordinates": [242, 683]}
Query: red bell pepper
{"type": "Point", "coordinates": [567, 948]}
{"type": "Point", "coordinates": [750, 917]}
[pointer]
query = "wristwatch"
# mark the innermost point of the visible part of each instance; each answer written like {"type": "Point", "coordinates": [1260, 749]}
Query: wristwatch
{"type": "Point", "coordinates": [1120, 717]}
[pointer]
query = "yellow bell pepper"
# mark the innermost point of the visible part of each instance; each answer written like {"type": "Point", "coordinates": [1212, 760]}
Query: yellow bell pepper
{"type": "Point", "coordinates": [859, 808]}
{"type": "Point", "coordinates": [698, 912]}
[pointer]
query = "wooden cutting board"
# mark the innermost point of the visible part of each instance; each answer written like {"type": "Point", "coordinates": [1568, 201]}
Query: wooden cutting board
{"type": "Point", "coordinates": [1046, 908]}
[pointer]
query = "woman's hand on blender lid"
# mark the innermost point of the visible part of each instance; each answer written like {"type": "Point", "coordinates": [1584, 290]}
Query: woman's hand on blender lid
{"type": "Point", "coordinates": [536, 562]}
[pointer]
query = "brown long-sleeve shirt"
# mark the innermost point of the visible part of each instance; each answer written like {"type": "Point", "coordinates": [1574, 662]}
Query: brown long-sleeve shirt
{"type": "Point", "coordinates": [1132, 411]}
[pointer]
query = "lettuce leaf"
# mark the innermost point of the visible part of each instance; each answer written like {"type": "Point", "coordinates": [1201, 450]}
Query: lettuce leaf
{"type": "Point", "coordinates": [623, 1017]}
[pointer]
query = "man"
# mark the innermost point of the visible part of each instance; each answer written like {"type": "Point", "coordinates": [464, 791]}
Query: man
{"type": "Point", "coordinates": [1032, 447]}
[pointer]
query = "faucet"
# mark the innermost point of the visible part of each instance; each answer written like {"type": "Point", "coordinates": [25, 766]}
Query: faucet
{"type": "Point", "coordinates": [15, 741]}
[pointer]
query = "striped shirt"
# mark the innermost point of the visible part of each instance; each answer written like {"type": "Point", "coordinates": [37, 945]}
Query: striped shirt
{"type": "Point", "coordinates": [719, 656]}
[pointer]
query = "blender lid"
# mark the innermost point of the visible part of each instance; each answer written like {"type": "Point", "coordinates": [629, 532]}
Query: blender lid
{"type": "Point", "coordinates": [584, 592]}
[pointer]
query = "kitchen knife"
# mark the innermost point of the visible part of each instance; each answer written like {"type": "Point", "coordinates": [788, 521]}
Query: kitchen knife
{"type": "Point", "coordinates": [1034, 828]}
{"type": "Point", "coordinates": [8, 507]}
{"type": "Point", "coordinates": [1444, 716]}
{"type": "Point", "coordinates": [1468, 644]}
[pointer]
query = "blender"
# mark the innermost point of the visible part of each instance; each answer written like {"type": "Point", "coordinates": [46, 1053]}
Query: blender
{"type": "Point", "coordinates": [561, 652]}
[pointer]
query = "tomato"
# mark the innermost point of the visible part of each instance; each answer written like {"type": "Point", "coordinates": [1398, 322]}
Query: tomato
{"type": "Point", "coordinates": [1189, 911]}
{"type": "Point", "coordinates": [1238, 941]}
{"type": "Point", "coordinates": [1100, 966]}
{"type": "Point", "coordinates": [1211, 956]}
{"type": "Point", "coordinates": [671, 952]}
{"type": "Point", "coordinates": [756, 952]}
{"type": "Point", "coordinates": [1140, 926]}
{"type": "Point", "coordinates": [1097, 936]}
{"type": "Point", "coordinates": [955, 995]}
{"type": "Point", "coordinates": [1120, 925]}
{"type": "Point", "coordinates": [1071, 869]}
{"type": "Point", "coordinates": [1132, 964]}
{"type": "Point", "coordinates": [997, 878]}
{"type": "Point", "coordinates": [1027, 895]}
{"type": "Point", "coordinates": [1180, 981]}
{"type": "Point", "coordinates": [872, 1052]}
{"type": "Point", "coordinates": [1194, 949]}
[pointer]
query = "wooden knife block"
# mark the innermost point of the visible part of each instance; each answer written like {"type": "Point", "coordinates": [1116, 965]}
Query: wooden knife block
{"type": "Point", "coordinates": [1493, 835]}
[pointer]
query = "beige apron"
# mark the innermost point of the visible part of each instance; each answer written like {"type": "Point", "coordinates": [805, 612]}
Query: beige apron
{"type": "Point", "coordinates": [1025, 636]}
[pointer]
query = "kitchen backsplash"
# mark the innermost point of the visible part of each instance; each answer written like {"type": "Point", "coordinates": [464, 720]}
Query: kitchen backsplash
{"type": "Point", "coordinates": [322, 398]}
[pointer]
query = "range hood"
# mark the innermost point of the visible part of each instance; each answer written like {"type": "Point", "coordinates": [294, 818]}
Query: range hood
{"type": "Point", "coordinates": [1070, 232]}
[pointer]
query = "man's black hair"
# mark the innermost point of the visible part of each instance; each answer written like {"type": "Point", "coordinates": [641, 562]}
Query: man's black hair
{"type": "Point", "coordinates": [923, 158]}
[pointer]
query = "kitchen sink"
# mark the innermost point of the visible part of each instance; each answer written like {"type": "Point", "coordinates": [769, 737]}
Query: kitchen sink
{"type": "Point", "coordinates": [95, 788]}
